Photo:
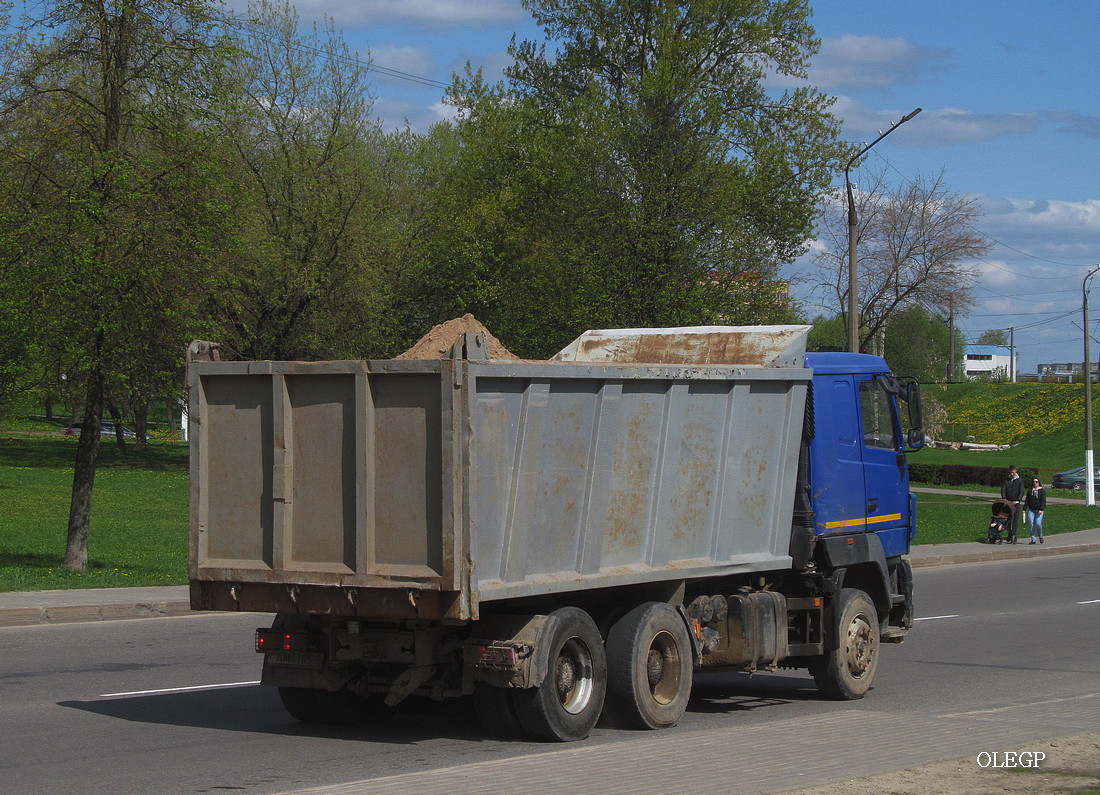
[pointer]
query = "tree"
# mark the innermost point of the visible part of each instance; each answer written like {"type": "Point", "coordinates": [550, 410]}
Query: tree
{"type": "Point", "coordinates": [827, 334]}
{"type": "Point", "coordinates": [916, 245]}
{"type": "Point", "coordinates": [108, 192]}
{"type": "Point", "coordinates": [643, 175]}
{"type": "Point", "coordinates": [312, 217]}
{"type": "Point", "coordinates": [994, 336]}
{"type": "Point", "coordinates": [918, 344]}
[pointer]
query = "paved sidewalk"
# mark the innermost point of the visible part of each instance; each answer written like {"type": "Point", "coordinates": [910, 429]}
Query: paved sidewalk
{"type": "Point", "coordinates": [976, 552]}
{"type": "Point", "coordinates": [27, 608]}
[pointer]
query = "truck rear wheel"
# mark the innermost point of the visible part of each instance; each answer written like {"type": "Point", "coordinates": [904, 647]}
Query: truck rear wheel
{"type": "Point", "coordinates": [495, 711]}
{"type": "Point", "coordinates": [309, 705]}
{"type": "Point", "coordinates": [649, 667]}
{"type": "Point", "coordinates": [570, 699]}
{"type": "Point", "coordinates": [846, 672]}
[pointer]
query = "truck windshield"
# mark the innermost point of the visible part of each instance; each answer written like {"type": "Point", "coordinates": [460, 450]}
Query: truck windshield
{"type": "Point", "coordinates": [879, 429]}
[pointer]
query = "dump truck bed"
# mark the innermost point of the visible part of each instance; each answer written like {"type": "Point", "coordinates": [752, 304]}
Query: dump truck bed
{"type": "Point", "coordinates": [423, 489]}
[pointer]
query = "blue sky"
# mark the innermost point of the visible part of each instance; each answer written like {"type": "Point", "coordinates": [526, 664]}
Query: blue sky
{"type": "Point", "coordinates": [1011, 101]}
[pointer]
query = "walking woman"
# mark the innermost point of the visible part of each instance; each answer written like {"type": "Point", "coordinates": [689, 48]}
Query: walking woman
{"type": "Point", "coordinates": [1036, 502]}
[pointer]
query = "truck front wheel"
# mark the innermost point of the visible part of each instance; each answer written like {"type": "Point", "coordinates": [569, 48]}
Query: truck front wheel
{"type": "Point", "coordinates": [846, 672]}
{"type": "Point", "coordinates": [650, 666]}
{"type": "Point", "coordinates": [570, 699]}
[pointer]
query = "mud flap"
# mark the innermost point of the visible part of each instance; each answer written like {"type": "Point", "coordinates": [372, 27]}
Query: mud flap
{"type": "Point", "coordinates": [900, 619]}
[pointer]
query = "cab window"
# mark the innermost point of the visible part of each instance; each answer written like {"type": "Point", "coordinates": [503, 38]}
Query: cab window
{"type": "Point", "coordinates": [878, 416]}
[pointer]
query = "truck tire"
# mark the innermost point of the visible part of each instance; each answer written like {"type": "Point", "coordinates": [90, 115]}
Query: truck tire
{"type": "Point", "coordinates": [340, 708]}
{"type": "Point", "coordinates": [495, 711]}
{"type": "Point", "coordinates": [649, 667]}
{"type": "Point", "coordinates": [570, 699]}
{"type": "Point", "coordinates": [301, 704]}
{"type": "Point", "coordinates": [846, 673]}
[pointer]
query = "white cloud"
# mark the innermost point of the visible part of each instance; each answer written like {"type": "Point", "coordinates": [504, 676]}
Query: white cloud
{"type": "Point", "coordinates": [411, 60]}
{"type": "Point", "coordinates": [445, 111]}
{"type": "Point", "coordinates": [1078, 124]}
{"type": "Point", "coordinates": [429, 13]}
{"type": "Point", "coordinates": [998, 275]}
{"type": "Point", "coordinates": [872, 62]}
{"type": "Point", "coordinates": [395, 113]}
{"type": "Point", "coordinates": [936, 127]}
{"type": "Point", "coordinates": [1063, 224]}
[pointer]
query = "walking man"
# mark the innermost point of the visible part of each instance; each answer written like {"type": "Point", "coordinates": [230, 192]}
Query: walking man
{"type": "Point", "coordinates": [1013, 491]}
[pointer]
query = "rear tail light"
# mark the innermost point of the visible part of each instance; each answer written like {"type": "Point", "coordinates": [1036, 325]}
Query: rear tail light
{"type": "Point", "coordinates": [277, 640]}
{"type": "Point", "coordinates": [493, 656]}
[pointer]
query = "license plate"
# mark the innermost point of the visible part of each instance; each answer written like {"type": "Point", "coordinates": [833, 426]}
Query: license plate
{"type": "Point", "coordinates": [297, 659]}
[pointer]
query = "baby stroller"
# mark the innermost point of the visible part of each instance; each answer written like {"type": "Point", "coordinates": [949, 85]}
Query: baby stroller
{"type": "Point", "coordinates": [1000, 521]}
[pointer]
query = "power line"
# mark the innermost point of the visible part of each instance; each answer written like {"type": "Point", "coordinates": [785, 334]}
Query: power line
{"type": "Point", "coordinates": [1003, 269]}
{"type": "Point", "coordinates": [368, 66]}
{"type": "Point", "coordinates": [1019, 314]}
{"type": "Point", "coordinates": [891, 166]}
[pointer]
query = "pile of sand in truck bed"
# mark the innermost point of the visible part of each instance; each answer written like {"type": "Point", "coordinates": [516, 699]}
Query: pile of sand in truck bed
{"type": "Point", "coordinates": [436, 343]}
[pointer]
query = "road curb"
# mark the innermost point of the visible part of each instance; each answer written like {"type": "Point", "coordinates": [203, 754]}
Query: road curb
{"type": "Point", "coordinates": [72, 614]}
{"type": "Point", "coordinates": [1000, 554]}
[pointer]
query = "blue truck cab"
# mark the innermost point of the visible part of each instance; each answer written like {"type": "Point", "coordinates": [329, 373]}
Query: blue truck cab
{"type": "Point", "coordinates": [862, 420]}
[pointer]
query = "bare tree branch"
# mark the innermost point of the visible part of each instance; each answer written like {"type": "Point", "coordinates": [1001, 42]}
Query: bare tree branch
{"type": "Point", "coordinates": [916, 245]}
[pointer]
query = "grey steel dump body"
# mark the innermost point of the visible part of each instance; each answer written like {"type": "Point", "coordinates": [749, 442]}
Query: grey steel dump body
{"type": "Point", "coordinates": [422, 489]}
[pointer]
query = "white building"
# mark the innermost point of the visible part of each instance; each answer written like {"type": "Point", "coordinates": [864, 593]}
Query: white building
{"type": "Point", "coordinates": [990, 361]}
{"type": "Point", "coordinates": [1063, 371]}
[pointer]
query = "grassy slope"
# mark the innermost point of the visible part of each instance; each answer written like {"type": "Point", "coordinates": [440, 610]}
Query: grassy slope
{"type": "Point", "coordinates": [1043, 422]}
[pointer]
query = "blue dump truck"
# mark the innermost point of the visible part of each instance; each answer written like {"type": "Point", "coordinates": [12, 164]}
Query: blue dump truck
{"type": "Point", "coordinates": [557, 540]}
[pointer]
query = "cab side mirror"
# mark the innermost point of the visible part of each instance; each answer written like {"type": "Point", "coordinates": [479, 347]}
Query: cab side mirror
{"type": "Point", "coordinates": [914, 435]}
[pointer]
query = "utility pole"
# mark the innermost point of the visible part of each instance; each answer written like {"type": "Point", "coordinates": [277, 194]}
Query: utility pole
{"type": "Point", "coordinates": [1012, 355]}
{"type": "Point", "coordinates": [853, 283]}
{"type": "Point", "coordinates": [1090, 492]}
{"type": "Point", "coordinates": [951, 332]}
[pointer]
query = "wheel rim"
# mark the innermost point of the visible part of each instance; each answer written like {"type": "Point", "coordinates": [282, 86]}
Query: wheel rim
{"type": "Point", "coordinates": [663, 668]}
{"type": "Point", "coordinates": [573, 676]}
{"type": "Point", "coordinates": [859, 648]}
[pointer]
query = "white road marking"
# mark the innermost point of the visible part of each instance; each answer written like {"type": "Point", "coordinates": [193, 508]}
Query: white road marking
{"type": "Point", "coordinates": [933, 618]}
{"type": "Point", "coordinates": [1090, 602]}
{"type": "Point", "coordinates": [1019, 706]}
{"type": "Point", "coordinates": [177, 689]}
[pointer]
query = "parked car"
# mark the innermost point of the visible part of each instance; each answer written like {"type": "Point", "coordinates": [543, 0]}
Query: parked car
{"type": "Point", "coordinates": [107, 429]}
{"type": "Point", "coordinates": [1074, 479]}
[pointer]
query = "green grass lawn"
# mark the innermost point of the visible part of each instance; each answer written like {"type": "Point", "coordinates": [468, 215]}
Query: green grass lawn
{"type": "Point", "coordinates": [138, 533]}
{"type": "Point", "coordinates": [953, 518]}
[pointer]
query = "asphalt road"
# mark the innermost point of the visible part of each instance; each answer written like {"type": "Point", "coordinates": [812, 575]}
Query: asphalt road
{"type": "Point", "coordinates": [1005, 653]}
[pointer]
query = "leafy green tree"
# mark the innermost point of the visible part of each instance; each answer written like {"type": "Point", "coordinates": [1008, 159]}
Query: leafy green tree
{"type": "Point", "coordinates": [642, 173]}
{"type": "Point", "coordinates": [993, 336]}
{"type": "Point", "coordinates": [827, 334]}
{"type": "Point", "coordinates": [918, 344]}
{"type": "Point", "coordinates": [313, 217]}
{"type": "Point", "coordinates": [106, 192]}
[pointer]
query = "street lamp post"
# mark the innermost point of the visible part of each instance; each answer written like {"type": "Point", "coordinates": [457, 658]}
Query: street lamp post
{"type": "Point", "coordinates": [853, 296]}
{"type": "Point", "coordinates": [1090, 493]}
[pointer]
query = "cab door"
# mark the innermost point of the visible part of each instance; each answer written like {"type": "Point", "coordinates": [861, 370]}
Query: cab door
{"type": "Point", "coordinates": [836, 457]}
{"type": "Point", "coordinates": [885, 477]}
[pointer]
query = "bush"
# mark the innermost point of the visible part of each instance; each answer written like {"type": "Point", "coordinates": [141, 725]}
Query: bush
{"type": "Point", "coordinates": [963, 474]}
